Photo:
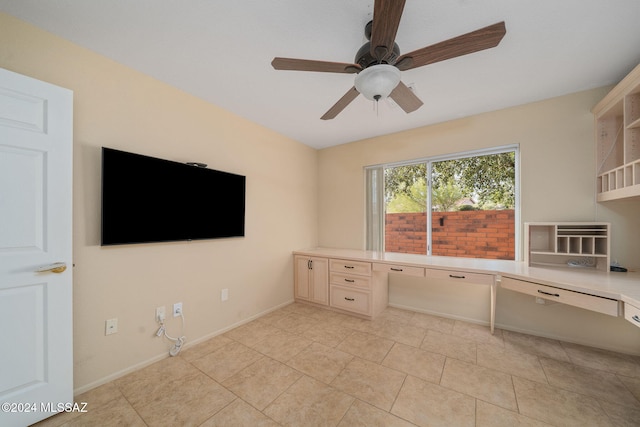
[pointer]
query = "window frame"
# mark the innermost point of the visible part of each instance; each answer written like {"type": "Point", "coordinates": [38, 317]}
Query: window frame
{"type": "Point", "coordinates": [374, 195]}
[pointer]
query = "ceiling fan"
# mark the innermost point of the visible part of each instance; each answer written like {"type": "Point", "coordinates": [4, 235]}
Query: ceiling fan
{"type": "Point", "coordinates": [378, 62]}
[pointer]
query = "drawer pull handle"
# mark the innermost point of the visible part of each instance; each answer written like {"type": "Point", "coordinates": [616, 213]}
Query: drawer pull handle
{"type": "Point", "coordinates": [395, 269]}
{"type": "Point", "coordinates": [349, 280]}
{"type": "Point", "coordinates": [349, 267]}
{"type": "Point", "coordinates": [349, 299]}
{"type": "Point", "coordinates": [453, 276]}
{"type": "Point", "coordinates": [548, 293]}
{"type": "Point", "coordinates": [636, 318]}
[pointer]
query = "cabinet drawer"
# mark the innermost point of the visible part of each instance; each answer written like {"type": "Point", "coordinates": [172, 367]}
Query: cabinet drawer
{"type": "Point", "coordinates": [461, 276]}
{"type": "Point", "coordinates": [577, 299]}
{"type": "Point", "coordinates": [350, 299]}
{"type": "Point", "coordinates": [350, 280]}
{"type": "Point", "coordinates": [352, 267]}
{"type": "Point", "coordinates": [632, 314]}
{"type": "Point", "coordinates": [399, 269]}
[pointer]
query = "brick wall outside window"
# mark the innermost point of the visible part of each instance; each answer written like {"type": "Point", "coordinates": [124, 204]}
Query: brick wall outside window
{"type": "Point", "coordinates": [469, 234]}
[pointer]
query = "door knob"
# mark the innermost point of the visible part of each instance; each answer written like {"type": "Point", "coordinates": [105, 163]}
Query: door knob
{"type": "Point", "coordinates": [56, 267]}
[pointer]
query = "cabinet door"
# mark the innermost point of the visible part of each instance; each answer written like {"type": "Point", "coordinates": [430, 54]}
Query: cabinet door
{"type": "Point", "coordinates": [301, 280]}
{"type": "Point", "coordinates": [320, 280]}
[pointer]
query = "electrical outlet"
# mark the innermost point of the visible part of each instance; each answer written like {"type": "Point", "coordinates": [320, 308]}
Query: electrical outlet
{"type": "Point", "coordinates": [160, 314]}
{"type": "Point", "coordinates": [177, 309]}
{"type": "Point", "coordinates": [110, 326]}
{"type": "Point", "coordinates": [224, 294]}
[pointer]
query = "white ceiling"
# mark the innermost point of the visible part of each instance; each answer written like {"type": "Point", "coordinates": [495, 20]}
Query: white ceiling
{"type": "Point", "coordinates": [221, 52]}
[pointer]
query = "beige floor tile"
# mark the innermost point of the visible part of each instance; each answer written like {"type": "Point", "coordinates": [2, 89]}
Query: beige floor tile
{"type": "Point", "coordinates": [603, 360]}
{"type": "Point", "coordinates": [368, 381]}
{"type": "Point", "coordinates": [308, 310]}
{"type": "Point", "coordinates": [295, 323]}
{"type": "Point", "coordinates": [361, 414]}
{"type": "Point", "coordinates": [115, 413]}
{"type": "Point", "coordinates": [260, 383]}
{"type": "Point", "coordinates": [633, 384]}
{"type": "Point", "coordinates": [478, 333]}
{"type": "Point", "coordinates": [539, 346]}
{"type": "Point", "coordinates": [239, 413]}
{"type": "Point", "coordinates": [329, 334]}
{"type": "Point", "coordinates": [192, 353]}
{"type": "Point", "coordinates": [290, 308]}
{"type": "Point", "coordinates": [282, 345]}
{"type": "Point", "coordinates": [397, 315]}
{"type": "Point", "coordinates": [427, 404]}
{"type": "Point", "coordinates": [367, 346]}
{"type": "Point", "coordinates": [191, 401]}
{"type": "Point", "coordinates": [487, 384]}
{"type": "Point", "coordinates": [621, 415]}
{"type": "Point", "coordinates": [321, 362]}
{"type": "Point", "coordinates": [558, 407]}
{"type": "Point", "coordinates": [227, 361]}
{"type": "Point", "coordinates": [142, 385]}
{"type": "Point", "coordinates": [414, 361]}
{"type": "Point", "coordinates": [450, 345]}
{"type": "Point", "coordinates": [251, 333]}
{"type": "Point", "coordinates": [59, 419]}
{"type": "Point", "coordinates": [352, 322]}
{"type": "Point", "coordinates": [99, 396]}
{"type": "Point", "coordinates": [488, 415]}
{"type": "Point", "coordinates": [514, 363]}
{"type": "Point", "coordinates": [273, 316]}
{"type": "Point", "coordinates": [345, 370]}
{"type": "Point", "coordinates": [401, 332]}
{"type": "Point", "coordinates": [97, 400]}
{"type": "Point", "coordinates": [309, 402]}
{"type": "Point", "coordinates": [599, 384]}
{"type": "Point", "coordinates": [436, 323]}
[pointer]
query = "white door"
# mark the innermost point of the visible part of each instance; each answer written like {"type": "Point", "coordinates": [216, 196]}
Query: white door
{"type": "Point", "coordinates": [36, 354]}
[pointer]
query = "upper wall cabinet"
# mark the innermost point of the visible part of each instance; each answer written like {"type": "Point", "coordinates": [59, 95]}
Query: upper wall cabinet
{"type": "Point", "coordinates": [617, 124]}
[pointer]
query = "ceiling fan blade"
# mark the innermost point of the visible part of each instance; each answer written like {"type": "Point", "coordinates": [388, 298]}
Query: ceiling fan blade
{"type": "Point", "coordinates": [405, 98]}
{"type": "Point", "coordinates": [311, 65]}
{"type": "Point", "coordinates": [341, 104]}
{"type": "Point", "coordinates": [386, 19]}
{"type": "Point", "coordinates": [484, 38]}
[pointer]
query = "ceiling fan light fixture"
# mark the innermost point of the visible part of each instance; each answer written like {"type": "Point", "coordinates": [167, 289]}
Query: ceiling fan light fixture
{"type": "Point", "coordinates": [377, 81]}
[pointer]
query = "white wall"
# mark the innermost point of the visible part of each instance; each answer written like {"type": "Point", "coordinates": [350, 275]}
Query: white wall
{"type": "Point", "coordinates": [557, 184]}
{"type": "Point", "coordinates": [117, 107]}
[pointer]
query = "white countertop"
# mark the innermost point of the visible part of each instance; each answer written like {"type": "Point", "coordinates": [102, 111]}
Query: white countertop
{"type": "Point", "coordinates": [614, 285]}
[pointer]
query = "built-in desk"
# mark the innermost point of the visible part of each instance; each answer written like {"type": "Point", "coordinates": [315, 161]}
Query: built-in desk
{"type": "Point", "coordinates": [612, 293]}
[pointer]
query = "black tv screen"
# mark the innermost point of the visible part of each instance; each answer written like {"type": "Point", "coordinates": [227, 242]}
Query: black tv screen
{"type": "Point", "coordinates": [145, 199]}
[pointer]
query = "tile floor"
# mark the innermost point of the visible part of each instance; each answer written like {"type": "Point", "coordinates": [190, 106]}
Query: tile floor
{"type": "Point", "coordinates": [304, 366]}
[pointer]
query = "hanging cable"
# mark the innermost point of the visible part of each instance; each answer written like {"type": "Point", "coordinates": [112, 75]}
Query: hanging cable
{"type": "Point", "coordinates": [177, 342]}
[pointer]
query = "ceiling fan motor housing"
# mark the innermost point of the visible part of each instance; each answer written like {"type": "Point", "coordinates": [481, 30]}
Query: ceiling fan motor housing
{"type": "Point", "coordinates": [365, 59]}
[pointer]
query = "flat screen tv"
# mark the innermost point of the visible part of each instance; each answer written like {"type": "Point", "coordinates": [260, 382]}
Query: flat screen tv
{"type": "Point", "coordinates": [145, 199]}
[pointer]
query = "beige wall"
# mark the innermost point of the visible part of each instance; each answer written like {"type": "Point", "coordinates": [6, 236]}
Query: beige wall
{"type": "Point", "coordinates": [117, 107]}
{"type": "Point", "coordinates": [556, 143]}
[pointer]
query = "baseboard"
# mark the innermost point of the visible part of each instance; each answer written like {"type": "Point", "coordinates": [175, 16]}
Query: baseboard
{"type": "Point", "coordinates": [165, 354]}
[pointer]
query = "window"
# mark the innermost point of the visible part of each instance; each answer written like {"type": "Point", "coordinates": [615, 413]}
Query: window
{"type": "Point", "coordinates": [462, 205]}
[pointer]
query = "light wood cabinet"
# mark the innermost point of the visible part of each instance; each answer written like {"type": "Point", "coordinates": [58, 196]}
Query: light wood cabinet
{"type": "Point", "coordinates": [564, 296]}
{"type": "Point", "coordinates": [311, 281]}
{"type": "Point", "coordinates": [617, 127]}
{"type": "Point", "coordinates": [352, 287]}
{"type": "Point", "coordinates": [567, 244]}
{"type": "Point", "coordinates": [632, 314]}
